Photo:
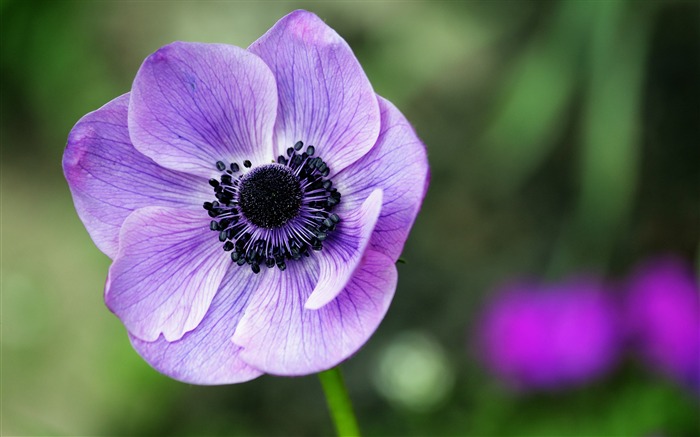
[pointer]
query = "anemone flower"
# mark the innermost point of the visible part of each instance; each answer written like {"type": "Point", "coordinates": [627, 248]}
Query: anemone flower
{"type": "Point", "coordinates": [550, 336]}
{"type": "Point", "coordinates": [663, 318]}
{"type": "Point", "coordinates": [215, 187]}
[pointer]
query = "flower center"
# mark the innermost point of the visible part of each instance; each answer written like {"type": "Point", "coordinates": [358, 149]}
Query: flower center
{"type": "Point", "coordinates": [270, 196]}
{"type": "Point", "coordinates": [276, 212]}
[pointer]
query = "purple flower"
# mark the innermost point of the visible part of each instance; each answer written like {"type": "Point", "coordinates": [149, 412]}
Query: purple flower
{"type": "Point", "coordinates": [215, 187]}
{"type": "Point", "coordinates": [549, 336]}
{"type": "Point", "coordinates": [663, 318]}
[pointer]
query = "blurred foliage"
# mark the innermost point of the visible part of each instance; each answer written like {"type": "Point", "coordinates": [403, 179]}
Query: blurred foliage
{"type": "Point", "coordinates": [563, 136]}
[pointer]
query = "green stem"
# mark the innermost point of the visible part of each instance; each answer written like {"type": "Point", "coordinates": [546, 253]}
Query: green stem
{"type": "Point", "coordinates": [339, 403]}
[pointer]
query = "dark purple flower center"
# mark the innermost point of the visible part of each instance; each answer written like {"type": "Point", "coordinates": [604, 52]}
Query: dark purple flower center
{"type": "Point", "coordinates": [274, 212]}
{"type": "Point", "coordinates": [269, 196]}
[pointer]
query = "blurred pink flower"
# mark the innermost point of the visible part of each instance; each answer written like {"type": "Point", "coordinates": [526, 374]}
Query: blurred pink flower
{"type": "Point", "coordinates": [662, 310]}
{"type": "Point", "coordinates": [549, 336]}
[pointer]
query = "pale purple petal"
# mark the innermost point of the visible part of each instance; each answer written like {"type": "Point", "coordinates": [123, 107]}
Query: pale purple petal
{"type": "Point", "coordinates": [194, 104]}
{"type": "Point", "coordinates": [280, 337]}
{"type": "Point", "coordinates": [206, 355]}
{"type": "Point", "coordinates": [166, 273]}
{"type": "Point", "coordinates": [343, 251]}
{"type": "Point", "coordinates": [109, 178]}
{"type": "Point", "coordinates": [325, 99]}
{"type": "Point", "coordinates": [398, 165]}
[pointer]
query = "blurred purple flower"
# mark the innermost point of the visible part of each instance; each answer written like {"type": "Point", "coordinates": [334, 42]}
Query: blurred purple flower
{"type": "Point", "coordinates": [663, 318]}
{"type": "Point", "coordinates": [275, 274]}
{"type": "Point", "coordinates": [549, 336]}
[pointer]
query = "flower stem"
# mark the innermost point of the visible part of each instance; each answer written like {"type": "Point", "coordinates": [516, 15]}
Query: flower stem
{"type": "Point", "coordinates": [339, 403]}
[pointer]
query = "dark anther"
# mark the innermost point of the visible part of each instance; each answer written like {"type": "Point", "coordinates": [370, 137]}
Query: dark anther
{"type": "Point", "coordinates": [275, 212]}
{"type": "Point", "coordinates": [250, 256]}
{"type": "Point", "coordinates": [270, 196]}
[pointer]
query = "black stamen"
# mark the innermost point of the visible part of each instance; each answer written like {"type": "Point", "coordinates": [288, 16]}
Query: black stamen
{"type": "Point", "coordinates": [270, 196]}
{"type": "Point", "coordinates": [266, 201]}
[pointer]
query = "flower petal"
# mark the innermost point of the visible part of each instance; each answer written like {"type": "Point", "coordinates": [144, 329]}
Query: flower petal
{"type": "Point", "coordinates": [109, 178]}
{"type": "Point", "coordinates": [325, 99]}
{"type": "Point", "coordinates": [343, 251]}
{"type": "Point", "coordinates": [194, 104]}
{"type": "Point", "coordinates": [398, 165]}
{"type": "Point", "coordinates": [280, 337]}
{"type": "Point", "coordinates": [206, 355]}
{"type": "Point", "coordinates": [166, 273]}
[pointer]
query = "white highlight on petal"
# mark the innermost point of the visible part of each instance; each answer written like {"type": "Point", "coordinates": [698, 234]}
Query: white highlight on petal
{"type": "Point", "coordinates": [341, 257]}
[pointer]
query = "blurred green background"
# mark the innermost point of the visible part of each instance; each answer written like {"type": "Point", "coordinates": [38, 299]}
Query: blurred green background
{"type": "Point", "coordinates": [563, 136]}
